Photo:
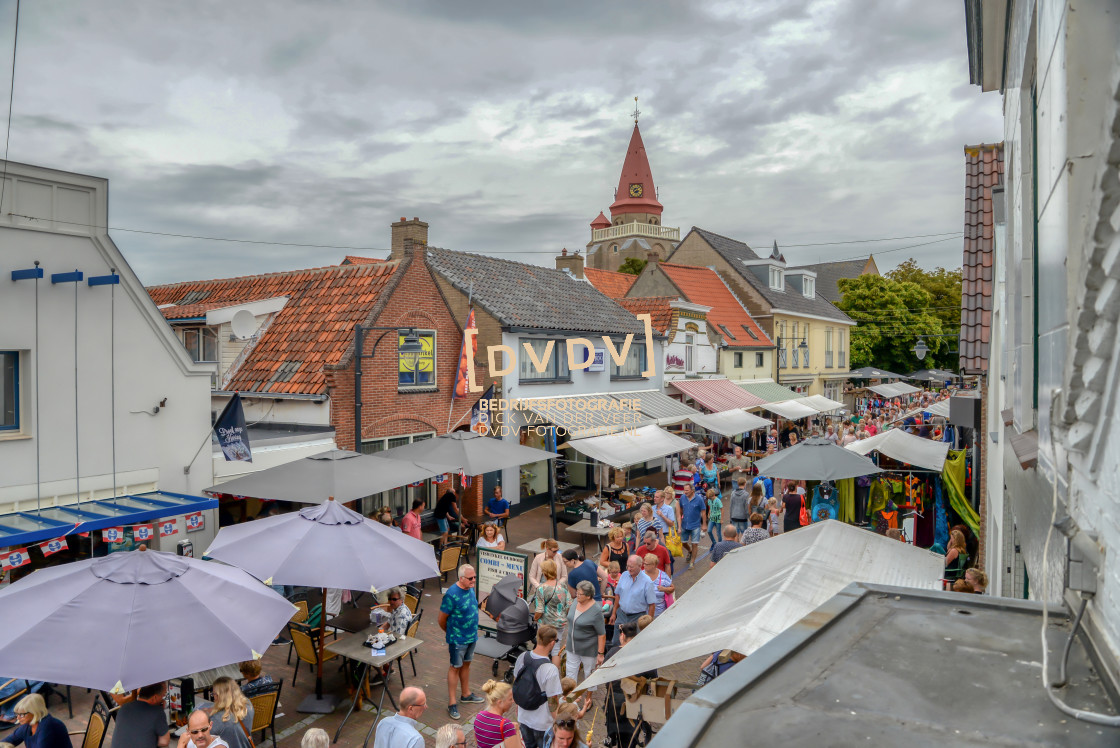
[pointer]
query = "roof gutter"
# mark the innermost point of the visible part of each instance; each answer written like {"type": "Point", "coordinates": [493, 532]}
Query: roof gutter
{"type": "Point", "coordinates": [574, 333]}
{"type": "Point", "coordinates": [320, 398]}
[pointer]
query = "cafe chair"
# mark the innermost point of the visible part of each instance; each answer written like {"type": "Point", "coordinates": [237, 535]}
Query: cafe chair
{"type": "Point", "coordinates": [303, 639]}
{"type": "Point", "coordinates": [411, 633]}
{"type": "Point", "coordinates": [450, 559]}
{"type": "Point", "coordinates": [94, 734]}
{"type": "Point", "coordinates": [412, 602]}
{"type": "Point", "coordinates": [300, 616]}
{"type": "Point", "coordinates": [264, 712]}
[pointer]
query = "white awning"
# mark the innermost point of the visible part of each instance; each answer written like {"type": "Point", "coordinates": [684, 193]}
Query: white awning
{"type": "Point", "coordinates": [820, 403]}
{"type": "Point", "coordinates": [757, 592]}
{"type": "Point", "coordinates": [631, 447]}
{"type": "Point", "coordinates": [939, 408]}
{"type": "Point", "coordinates": [790, 409]}
{"type": "Point", "coordinates": [894, 389]}
{"type": "Point", "coordinates": [904, 447]}
{"type": "Point", "coordinates": [731, 422]}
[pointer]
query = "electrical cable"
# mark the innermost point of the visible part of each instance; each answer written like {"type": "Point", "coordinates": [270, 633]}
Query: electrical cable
{"type": "Point", "coordinates": [1096, 718]}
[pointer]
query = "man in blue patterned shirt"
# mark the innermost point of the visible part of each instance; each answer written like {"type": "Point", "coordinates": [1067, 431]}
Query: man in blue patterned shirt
{"type": "Point", "coordinates": [458, 617]}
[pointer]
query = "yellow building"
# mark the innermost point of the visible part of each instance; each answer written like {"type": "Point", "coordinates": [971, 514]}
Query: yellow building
{"type": "Point", "coordinates": [812, 335]}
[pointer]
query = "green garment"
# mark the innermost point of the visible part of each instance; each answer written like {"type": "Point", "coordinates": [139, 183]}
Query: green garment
{"type": "Point", "coordinates": [846, 491]}
{"type": "Point", "coordinates": [952, 476]}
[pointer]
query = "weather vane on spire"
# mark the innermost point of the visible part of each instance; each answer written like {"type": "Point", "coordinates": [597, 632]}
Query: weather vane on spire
{"type": "Point", "coordinates": [636, 112]}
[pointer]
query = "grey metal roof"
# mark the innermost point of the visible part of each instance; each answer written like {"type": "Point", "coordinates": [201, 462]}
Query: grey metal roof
{"type": "Point", "coordinates": [735, 252]}
{"type": "Point", "coordinates": [771, 392]}
{"type": "Point", "coordinates": [659, 406]}
{"type": "Point", "coordinates": [589, 415]}
{"type": "Point", "coordinates": [880, 665]}
{"type": "Point", "coordinates": [521, 295]}
{"type": "Point", "coordinates": [828, 273]}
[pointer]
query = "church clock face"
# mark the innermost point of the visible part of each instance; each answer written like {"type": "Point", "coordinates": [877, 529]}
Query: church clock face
{"type": "Point", "coordinates": [635, 190]}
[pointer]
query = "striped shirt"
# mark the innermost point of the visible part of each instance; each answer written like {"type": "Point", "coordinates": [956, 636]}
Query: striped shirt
{"type": "Point", "coordinates": [491, 729]}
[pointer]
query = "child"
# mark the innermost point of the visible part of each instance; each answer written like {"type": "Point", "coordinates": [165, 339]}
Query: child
{"type": "Point", "coordinates": [573, 706]}
{"type": "Point", "coordinates": [614, 572]}
{"type": "Point", "coordinates": [715, 514]}
{"type": "Point", "coordinates": [628, 537]}
{"type": "Point", "coordinates": [775, 512]}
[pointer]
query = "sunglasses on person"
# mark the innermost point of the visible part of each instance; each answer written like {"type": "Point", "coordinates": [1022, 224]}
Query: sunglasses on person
{"type": "Point", "coordinates": [200, 730]}
{"type": "Point", "coordinates": [566, 724]}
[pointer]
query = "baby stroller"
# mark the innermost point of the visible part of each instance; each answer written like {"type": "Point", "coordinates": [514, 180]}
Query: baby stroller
{"type": "Point", "coordinates": [515, 625]}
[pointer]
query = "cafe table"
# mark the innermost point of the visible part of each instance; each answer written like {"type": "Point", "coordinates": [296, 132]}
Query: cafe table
{"type": "Point", "coordinates": [534, 546]}
{"type": "Point", "coordinates": [353, 648]}
{"type": "Point", "coordinates": [584, 528]}
{"type": "Point", "coordinates": [350, 620]}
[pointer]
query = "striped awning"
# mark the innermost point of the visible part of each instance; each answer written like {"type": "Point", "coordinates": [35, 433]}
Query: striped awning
{"type": "Point", "coordinates": [717, 395]}
{"type": "Point", "coordinates": [768, 390]}
{"type": "Point", "coordinates": [658, 406]}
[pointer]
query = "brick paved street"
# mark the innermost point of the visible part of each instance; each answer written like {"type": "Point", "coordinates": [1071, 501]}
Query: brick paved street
{"type": "Point", "coordinates": [431, 668]}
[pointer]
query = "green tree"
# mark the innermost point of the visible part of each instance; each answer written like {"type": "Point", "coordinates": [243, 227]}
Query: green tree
{"type": "Point", "coordinates": [892, 315]}
{"type": "Point", "coordinates": [944, 287]}
{"type": "Point", "coordinates": [632, 266]}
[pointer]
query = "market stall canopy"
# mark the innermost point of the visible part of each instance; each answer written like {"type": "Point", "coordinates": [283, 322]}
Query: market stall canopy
{"type": "Point", "coordinates": [717, 395]}
{"type": "Point", "coordinates": [767, 389]}
{"type": "Point", "coordinates": [339, 473]}
{"type": "Point", "coordinates": [631, 447]}
{"type": "Point", "coordinates": [731, 422]}
{"type": "Point", "coordinates": [603, 412]}
{"type": "Point", "coordinates": [758, 591]}
{"type": "Point", "coordinates": [791, 409]}
{"type": "Point", "coordinates": [815, 459]}
{"type": "Point", "coordinates": [905, 447]}
{"type": "Point", "coordinates": [132, 618]}
{"type": "Point", "coordinates": [894, 389]}
{"type": "Point", "coordinates": [821, 403]}
{"type": "Point", "coordinates": [468, 451]}
{"type": "Point", "coordinates": [870, 372]}
{"type": "Point", "coordinates": [933, 375]}
{"type": "Point", "coordinates": [939, 408]}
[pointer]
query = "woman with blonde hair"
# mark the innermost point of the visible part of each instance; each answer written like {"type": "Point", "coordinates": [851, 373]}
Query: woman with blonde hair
{"type": "Point", "coordinates": [35, 727]}
{"type": "Point", "coordinates": [491, 728]}
{"type": "Point", "coordinates": [231, 714]}
{"type": "Point", "coordinates": [645, 521]}
{"type": "Point", "coordinates": [615, 549]}
{"type": "Point", "coordinates": [956, 557]}
{"type": "Point", "coordinates": [491, 538]}
{"type": "Point", "coordinates": [550, 605]}
{"type": "Point", "coordinates": [550, 551]}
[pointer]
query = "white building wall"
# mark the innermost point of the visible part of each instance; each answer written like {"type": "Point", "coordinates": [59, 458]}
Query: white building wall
{"type": "Point", "coordinates": [162, 399]}
{"type": "Point", "coordinates": [1062, 74]}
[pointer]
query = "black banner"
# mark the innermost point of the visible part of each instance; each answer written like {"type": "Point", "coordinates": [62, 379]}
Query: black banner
{"type": "Point", "coordinates": [231, 433]}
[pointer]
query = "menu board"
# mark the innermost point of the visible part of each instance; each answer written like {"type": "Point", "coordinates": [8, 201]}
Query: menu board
{"type": "Point", "coordinates": [493, 565]}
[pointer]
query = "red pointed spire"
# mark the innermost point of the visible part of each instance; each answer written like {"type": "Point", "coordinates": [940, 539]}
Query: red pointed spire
{"type": "Point", "coordinates": [601, 221]}
{"type": "Point", "coordinates": [636, 192]}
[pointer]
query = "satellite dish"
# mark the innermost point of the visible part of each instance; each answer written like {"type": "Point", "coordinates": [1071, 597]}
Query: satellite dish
{"type": "Point", "coordinates": [244, 324]}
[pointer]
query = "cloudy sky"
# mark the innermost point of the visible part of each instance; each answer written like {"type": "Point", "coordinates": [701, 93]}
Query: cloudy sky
{"type": "Point", "coordinates": [502, 124]}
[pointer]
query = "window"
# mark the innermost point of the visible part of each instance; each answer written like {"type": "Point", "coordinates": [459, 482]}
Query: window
{"type": "Point", "coordinates": [727, 336]}
{"type": "Point", "coordinates": [758, 360]}
{"type": "Point", "coordinates": [750, 332]}
{"type": "Point", "coordinates": [9, 390]}
{"type": "Point", "coordinates": [808, 286]}
{"type": "Point", "coordinates": [777, 282]}
{"type": "Point", "coordinates": [781, 358]}
{"type": "Point", "coordinates": [842, 350]}
{"type": "Point", "coordinates": [399, 500]}
{"type": "Point", "coordinates": [689, 351]}
{"type": "Point", "coordinates": [417, 370]}
{"type": "Point", "coordinates": [555, 368]}
{"type": "Point", "coordinates": [614, 248]}
{"type": "Point", "coordinates": [828, 348]}
{"type": "Point", "coordinates": [201, 343]}
{"type": "Point", "coordinates": [635, 362]}
{"type": "Point", "coordinates": [738, 360]}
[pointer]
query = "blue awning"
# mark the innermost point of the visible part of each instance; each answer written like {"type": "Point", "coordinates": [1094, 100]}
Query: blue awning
{"type": "Point", "coordinates": [24, 528]}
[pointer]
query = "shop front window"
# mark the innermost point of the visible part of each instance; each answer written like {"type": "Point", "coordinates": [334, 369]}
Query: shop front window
{"type": "Point", "coordinates": [555, 366]}
{"type": "Point", "coordinates": [634, 364]}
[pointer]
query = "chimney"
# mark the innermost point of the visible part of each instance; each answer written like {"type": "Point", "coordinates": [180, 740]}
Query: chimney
{"type": "Point", "coordinates": [652, 257]}
{"type": "Point", "coordinates": [414, 231]}
{"type": "Point", "coordinates": [573, 262]}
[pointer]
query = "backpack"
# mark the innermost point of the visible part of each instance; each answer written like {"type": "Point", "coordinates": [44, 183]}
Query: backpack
{"type": "Point", "coordinates": [527, 693]}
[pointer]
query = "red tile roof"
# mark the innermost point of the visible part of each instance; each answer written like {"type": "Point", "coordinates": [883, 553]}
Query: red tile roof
{"type": "Point", "coordinates": [657, 307]}
{"type": "Point", "coordinates": [310, 332]}
{"type": "Point", "coordinates": [191, 311]}
{"type": "Point", "coordinates": [356, 260]}
{"type": "Point", "coordinates": [702, 285]}
{"type": "Point", "coordinates": [609, 282]}
{"type": "Point", "coordinates": [983, 171]}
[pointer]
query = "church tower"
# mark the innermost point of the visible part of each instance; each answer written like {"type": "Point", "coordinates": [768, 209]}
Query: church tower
{"type": "Point", "coordinates": [634, 228]}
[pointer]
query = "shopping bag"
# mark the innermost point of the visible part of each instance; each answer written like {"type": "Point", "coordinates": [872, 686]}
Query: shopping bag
{"type": "Point", "coordinates": [805, 521]}
{"type": "Point", "coordinates": [673, 543]}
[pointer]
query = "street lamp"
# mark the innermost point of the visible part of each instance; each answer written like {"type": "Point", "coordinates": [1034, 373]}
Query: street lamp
{"type": "Point", "coordinates": [920, 349]}
{"type": "Point", "coordinates": [410, 347]}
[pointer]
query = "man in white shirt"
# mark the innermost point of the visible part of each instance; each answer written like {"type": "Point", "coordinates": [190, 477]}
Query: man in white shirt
{"type": "Point", "coordinates": [197, 734]}
{"type": "Point", "coordinates": [536, 722]}
{"type": "Point", "coordinates": [402, 730]}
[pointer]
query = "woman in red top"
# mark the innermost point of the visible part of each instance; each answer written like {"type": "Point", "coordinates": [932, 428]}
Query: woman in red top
{"type": "Point", "coordinates": [491, 728]}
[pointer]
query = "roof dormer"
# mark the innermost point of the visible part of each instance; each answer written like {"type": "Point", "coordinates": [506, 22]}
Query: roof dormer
{"type": "Point", "coordinates": [802, 281]}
